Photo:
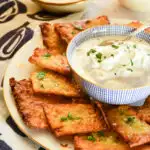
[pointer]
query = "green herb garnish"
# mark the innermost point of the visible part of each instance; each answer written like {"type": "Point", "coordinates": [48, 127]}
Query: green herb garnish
{"type": "Point", "coordinates": [105, 57]}
{"type": "Point", "coordinates": [47, 55]}
{"type": "Point", "coordinates": [115, 73]}
{"type": "Point", "coordinates": [129, 69]}
{"type": "Point", "coordinates": [41, 75]}
{"type": "Point", "coordinates": [99, 61]}
{"type": "Point", "coordinates": [78, 27]}
{"type": "Point", "coordinates": [123, 65]}
{"type": "Point", "coordinates": [131, 62]}
{"type": "Point", "coordinates": [42, 86]}
{"type": "Point", "coordinates": [100, 133]}
{"type": "Point", "coordinates": [115, 46]}
{"type": "Point", "coordinates": [63, 118]}
{"type": "Point", "coordinates": [73, 32]}
{"type": "Point", "coordinates": [91, 51]}
{"type": "Point", "coordinates": [112, 55]}
{"type": "Point", "coordinates": [91, 138]}
{"type": "Point", "coordinates": [99, 55]}
{"type": "Point", "coordinates": [134, 46]}
{"type": "Point", "coordinates": [69, 117]}
{"type": "Point", "coordinates": [148, 54]}
{"type": "Point", "coordinates": [130, 120]}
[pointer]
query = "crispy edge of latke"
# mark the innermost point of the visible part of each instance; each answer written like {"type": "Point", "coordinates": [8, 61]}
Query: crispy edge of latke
{"type": "Point", "coordinates": [63, 67]}
{"type": "Point", "coordinates": [51, 38]}
{"type": "Point", "coordinates": [67, 30]}
{"type": "Point", "coordinates": [76, 91]}
{"type": "Point", "coordinates": [55, 129]}
{"type": "Point", "coordinates": [141, 141]}
{"type": "Point", "coordinates": [17, 98]}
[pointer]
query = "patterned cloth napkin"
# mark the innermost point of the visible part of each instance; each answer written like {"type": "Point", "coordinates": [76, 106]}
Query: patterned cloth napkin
{"type": "Point", "coordinates": [18, 20]}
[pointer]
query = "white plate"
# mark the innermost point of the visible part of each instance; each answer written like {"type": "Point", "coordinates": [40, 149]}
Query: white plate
{"type": "Point", "coordinates": [20, 68]}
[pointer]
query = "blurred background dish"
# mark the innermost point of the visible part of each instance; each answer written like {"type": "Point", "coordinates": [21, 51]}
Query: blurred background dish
{"type": "Point", "coordinates": [59, 6]}
{"type": "Point", "coordinates": [136, 5]}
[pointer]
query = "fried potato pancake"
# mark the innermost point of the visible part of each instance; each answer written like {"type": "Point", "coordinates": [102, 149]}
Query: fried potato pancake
{"type": "Point", "coordinates": [101, 140]}
{"type": "Point", "coordinates": [144, 111]}
{"type": "Point", "coordinates": [51, 38]}
{"type": "Point", "coordinates": [134, 24]}
{"type": "Point", "coordinates": [137, 24]}
{"type": "Point", "coordinates": [45, 59]}
{"type": "Point", "coordinates": [70, 119]}
{"type": "Point", "coordinates": [53, 83]}
{"type": "Point", "coordinates": [30, 106]}
{"type": "Point", "coordinates": [68, 30]}
{"type": "Point", "coordinates": [124, 121]}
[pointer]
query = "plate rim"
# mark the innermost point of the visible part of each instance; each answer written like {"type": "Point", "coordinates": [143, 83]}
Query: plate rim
{"type": "Point", "coordinates": [15, 56]}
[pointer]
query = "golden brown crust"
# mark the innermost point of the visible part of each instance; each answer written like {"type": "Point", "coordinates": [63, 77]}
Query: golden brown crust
{"type": "Point", "coordinates": [45, 59]}
{"type": "Point", "coordinates": [68, 30]}
{"type": "Point", "coordinates": [134, 24]}
{"type": "Point", "coordinates": [144, 111]}
{"type": "Point", "coordinates": [69, 119]}
{"type": "Point", "coordinates": [124, 121]}
{"type": "Point", "coordinates": [104, 141]}
{"type": "Point", "coordinates": [137, 24]}
{"type": "Point", "coordinates": [30, 106]}
{"type": "Point", "coordinates": [53, 83]}
{"type": "Point", "coordinates": [51, 38]}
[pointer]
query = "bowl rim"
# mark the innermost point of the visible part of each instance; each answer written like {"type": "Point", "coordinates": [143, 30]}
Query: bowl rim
{"type": "Point", "coordinates": [87, 80]}
{"type": "Point", "coordinates": [59, 4]}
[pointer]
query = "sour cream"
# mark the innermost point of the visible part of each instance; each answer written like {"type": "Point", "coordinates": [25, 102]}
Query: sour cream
{"type": "Point", "coordinates": [113, 63]}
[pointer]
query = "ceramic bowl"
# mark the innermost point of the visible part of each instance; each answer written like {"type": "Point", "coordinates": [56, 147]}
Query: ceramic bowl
{"type": "Point", "coordinates": [59, 6]}
{"type": "Point", "coordinates": [136, 5]}
{"type": "Point", "coordinates": [135, 96]}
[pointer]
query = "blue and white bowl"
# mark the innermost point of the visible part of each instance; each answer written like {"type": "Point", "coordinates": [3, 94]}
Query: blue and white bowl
{"type": "Point", "coordinates": [135, 96]}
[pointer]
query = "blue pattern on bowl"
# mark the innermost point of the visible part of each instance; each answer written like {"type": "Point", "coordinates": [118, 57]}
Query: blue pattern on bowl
{"type": "Point", "coordinates": [111, 96]}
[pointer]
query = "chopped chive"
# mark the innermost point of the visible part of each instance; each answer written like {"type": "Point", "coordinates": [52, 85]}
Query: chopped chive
{"type": "Point", "coordinates": [73, 32]}
{"type": "Point", "coordinates": [130, 120]}
{"type": "Point", "coordinates": [123, 65]}
{"type": "Point", "coordinates": [134, 46]}
{"type": "Point", "coordinates": [129, 69]}
{"type": "Point", "coordinates": [99, 61]}
{"type": "Point", "coordinates": [99, 55]}
{"type": "Point", "coordinates": [115, 73]}
{"type": "Point", "coordinates": [91, 138]}
{"type": "Point", "coordinates": [100, 133]}
{"type": "Point", "coordinates": [47, 55]}
{"type": "Point", "coordinates": [41, 75]}
{"type": "Point", "coordinates": [63, 118]}
{"type": "Point", "coordinates": [105, 57]}
{"type": "Point", "coordinates": [70, 116]}
{"type": "Point", "coordinates": [115, 46]}
{"type": "Point", "coordinates": [78, 27]}
{"type": "Point", "coordinates": [131, 62]}
{"type": "Point", "coordinates": [91, 51]}
{"type": "Point", "coordinates": [112, 55]}
{"type": "Point", "coordinates": [42, 86]}
{"type": "Point", "coordinates": [148, 54]}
